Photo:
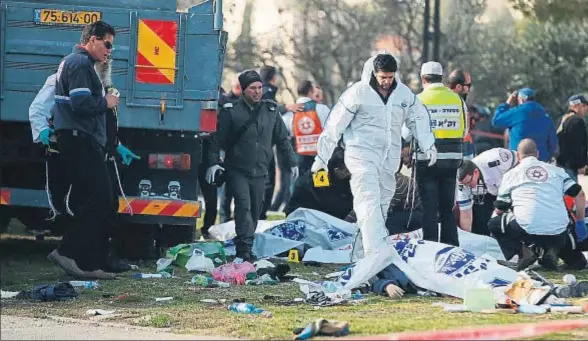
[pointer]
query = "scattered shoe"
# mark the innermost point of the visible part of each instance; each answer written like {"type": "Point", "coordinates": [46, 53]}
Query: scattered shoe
{"type": "Point", "coordinates": [322, 327]}
{"type": "Point", "coordinates": [66, 264]}
{"type": "Point", "coordinates": [576, 290]}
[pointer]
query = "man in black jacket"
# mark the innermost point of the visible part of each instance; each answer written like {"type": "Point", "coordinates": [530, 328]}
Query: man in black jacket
{"type": "Point", "coordinates": [572, 140]}
{"type": "Point", "coordinates": [247, 132]}
{"type": "Point", "coordinates": [80, 126]}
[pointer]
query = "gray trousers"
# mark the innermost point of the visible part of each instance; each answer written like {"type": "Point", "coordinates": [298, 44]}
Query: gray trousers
{"type": "Point", "coordinates": [248, 193]}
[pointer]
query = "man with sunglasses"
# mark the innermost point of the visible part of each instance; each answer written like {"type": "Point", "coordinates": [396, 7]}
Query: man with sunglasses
{"type": "Point", "coordinates": [478, 183]}
{"type": "Point", "coordinates": [460, 82]}
{"type": "Point", "coordinates": [81, 129]}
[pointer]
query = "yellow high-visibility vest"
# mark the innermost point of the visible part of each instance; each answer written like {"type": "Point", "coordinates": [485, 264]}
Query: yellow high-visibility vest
{"type": "Point", "coordinates": [446, 111]}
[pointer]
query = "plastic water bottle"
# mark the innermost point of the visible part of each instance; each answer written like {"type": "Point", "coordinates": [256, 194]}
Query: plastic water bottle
{"type": "Point", "coordinates": [84, 284]}
{"type": "Point", "coordinates": [247, 308]}
{"type": "Point", "coordinates": [159, 275]}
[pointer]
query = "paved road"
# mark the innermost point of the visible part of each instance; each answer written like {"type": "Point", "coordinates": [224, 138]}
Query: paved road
{"type": "Point", "coordinates": [24, 328]}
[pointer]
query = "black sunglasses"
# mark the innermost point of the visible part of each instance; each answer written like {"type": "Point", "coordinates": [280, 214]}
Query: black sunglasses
{"type": "Point", "coordinates": [107, 44]}
{"type": "Point", "coordinates": [467, 84]}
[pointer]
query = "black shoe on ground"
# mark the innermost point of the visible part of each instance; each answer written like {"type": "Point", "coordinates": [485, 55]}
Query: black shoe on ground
{"type": "Point", "coordinates": [526, 258]}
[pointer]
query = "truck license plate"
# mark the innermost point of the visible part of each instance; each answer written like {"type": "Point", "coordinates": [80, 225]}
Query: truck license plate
{"type": "Point", "coordinates": [46, 16]}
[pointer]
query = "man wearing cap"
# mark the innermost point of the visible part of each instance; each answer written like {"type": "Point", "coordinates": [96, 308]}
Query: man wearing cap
{"type": "Point", "coordinates": [527, 120]}
{"type": "Point", "coordinates": [437, 183]}
{"type": "Point", "coordinates": [247, 131]}
{"type": "Point", "coordinates": [571, 136]}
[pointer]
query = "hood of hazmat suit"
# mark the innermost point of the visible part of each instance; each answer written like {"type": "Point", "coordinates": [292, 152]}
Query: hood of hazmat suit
{"type": "Point", "coordinates": [371, 131]}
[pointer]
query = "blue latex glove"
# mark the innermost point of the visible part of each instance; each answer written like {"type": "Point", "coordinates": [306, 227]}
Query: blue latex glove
{"type": "Point", "coordinates": [581, 231]}
{"type": "Point", "coordinates": [126, 155]}
{"type": "Point", "coordinates": [45, 135]}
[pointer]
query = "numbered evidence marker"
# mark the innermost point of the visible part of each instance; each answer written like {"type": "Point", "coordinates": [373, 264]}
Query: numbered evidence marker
{"type": "Point", "coordinates": [293, 256]}
{"type": "Point", "coordinates": [321, 179]}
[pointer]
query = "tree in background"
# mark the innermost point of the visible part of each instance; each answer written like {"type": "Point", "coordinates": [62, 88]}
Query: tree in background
{"type": "Point", "coordinates": [328, 41]}
{"type": "Point", "coordinates": [557, 10]}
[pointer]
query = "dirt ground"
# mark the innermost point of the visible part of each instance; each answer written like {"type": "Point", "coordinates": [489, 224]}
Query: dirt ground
{"type": "Point", "coordinates": [55, 328]}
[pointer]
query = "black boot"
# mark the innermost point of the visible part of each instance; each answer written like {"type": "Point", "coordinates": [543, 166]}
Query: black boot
{"type": "Point", "coordinates": [526, 257]}
{"type": "Point", "coordinates": [549, 260]}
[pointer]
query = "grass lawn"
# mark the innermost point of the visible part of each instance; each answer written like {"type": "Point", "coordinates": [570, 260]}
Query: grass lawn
{"type": "Point", "coordinates": [23, 266]}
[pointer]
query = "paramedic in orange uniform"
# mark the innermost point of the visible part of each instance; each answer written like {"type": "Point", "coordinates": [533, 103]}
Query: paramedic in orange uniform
{"type": "Point", "coordinates": [306, 126]}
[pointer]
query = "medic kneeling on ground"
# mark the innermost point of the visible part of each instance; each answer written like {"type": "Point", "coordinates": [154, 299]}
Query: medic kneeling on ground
{"type": "Point", "coordinates": [532, 220]}
{"type": "Point", "coordinates": [405, 211]}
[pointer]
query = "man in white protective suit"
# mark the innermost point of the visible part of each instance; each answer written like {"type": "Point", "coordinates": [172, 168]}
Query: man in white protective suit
{"type": "Point", "coordinates": [369, 116]}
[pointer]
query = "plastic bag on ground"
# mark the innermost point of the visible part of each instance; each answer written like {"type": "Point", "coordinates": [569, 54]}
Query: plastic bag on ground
{"type": "Point", "coordinates": [181, 253]}
{"type": "Point", "coordinates": [233, 273]}
{"type": "Point", "coordinates": [199, 262]}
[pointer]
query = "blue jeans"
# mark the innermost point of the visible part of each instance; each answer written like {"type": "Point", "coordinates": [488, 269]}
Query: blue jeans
{"type": "Point", "coordinates": [392, 275]}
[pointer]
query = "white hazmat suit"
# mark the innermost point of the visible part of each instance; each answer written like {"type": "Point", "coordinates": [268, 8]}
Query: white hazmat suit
{"type": "Point", "coordinates": [371, 131]}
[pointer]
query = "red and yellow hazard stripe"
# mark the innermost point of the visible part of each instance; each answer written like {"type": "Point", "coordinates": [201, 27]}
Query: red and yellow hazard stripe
{"type": "Point", "coordinates": [156, 51]}
{"type": "Point", "coordinates": [4, 197]}
{"type": "Point", "coordinates": [159, 207]}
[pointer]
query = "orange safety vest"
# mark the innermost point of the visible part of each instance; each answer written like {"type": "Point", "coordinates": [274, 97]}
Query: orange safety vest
{"type": "Point", "coordinates": [307, 128]}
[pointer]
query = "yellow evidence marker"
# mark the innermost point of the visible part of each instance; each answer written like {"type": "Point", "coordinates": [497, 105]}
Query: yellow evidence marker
{"type": "Point", "coordinates": [293, 256]}
{"type": "Point", "coordinates": [321, 179]}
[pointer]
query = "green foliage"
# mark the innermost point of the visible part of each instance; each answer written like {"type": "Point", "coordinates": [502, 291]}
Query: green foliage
{"type": "Point", "coordinates": [558, 10]}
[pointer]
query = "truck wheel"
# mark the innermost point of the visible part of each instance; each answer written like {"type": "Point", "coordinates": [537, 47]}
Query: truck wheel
{"type": "Point", "coordinates": [172, 235]}
{"type": "Point", "coordinates": [34, 218]}
{"type": "Point", "coordinates": [135, 241]}
{"type": "Point", "coordinates": [5, 217]}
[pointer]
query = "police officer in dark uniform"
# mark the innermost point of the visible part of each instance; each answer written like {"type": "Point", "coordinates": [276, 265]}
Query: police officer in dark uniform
{"type": "Point", "coordinates": [247, 131]}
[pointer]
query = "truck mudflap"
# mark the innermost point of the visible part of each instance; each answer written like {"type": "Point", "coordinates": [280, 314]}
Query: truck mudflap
{"type": "Point", "coordinates": [136, 205]}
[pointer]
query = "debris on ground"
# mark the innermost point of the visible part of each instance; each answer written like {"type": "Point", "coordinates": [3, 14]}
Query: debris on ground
{"type": "Point", "coordinates": [9, 294]}
{"type": "Point", "coordinates": [96, 312]}
{"type": "Point", "coordinates": [322, 327]}
{"type": "Point", "coordinates": [84, 284]}
{"type": "Point", "coordinates": [234, 273]}
{"type": "Point", "coordinates": [52, 292]}
{"type": "Point", "coordinates": [246, 308]}
{"type": "Point", "coordinates": [163, 299]}
{"type": "Point", "coordinates": [157, 275]}
{"type": "Point", "coordinates": [208, 282]}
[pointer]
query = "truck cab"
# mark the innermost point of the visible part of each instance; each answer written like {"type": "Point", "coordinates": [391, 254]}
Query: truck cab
{"type": "Point", "coordinates": [167, 66]}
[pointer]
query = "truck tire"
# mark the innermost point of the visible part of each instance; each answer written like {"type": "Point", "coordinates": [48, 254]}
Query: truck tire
{"type": "Point", "coordinates": [5, 217]}
{"type": "Point", "coordinates": [172, 235]}
{"type": "Point", "coordinates": [34, 218]}
{"type": "Point", "coordinates": [134, 241]}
